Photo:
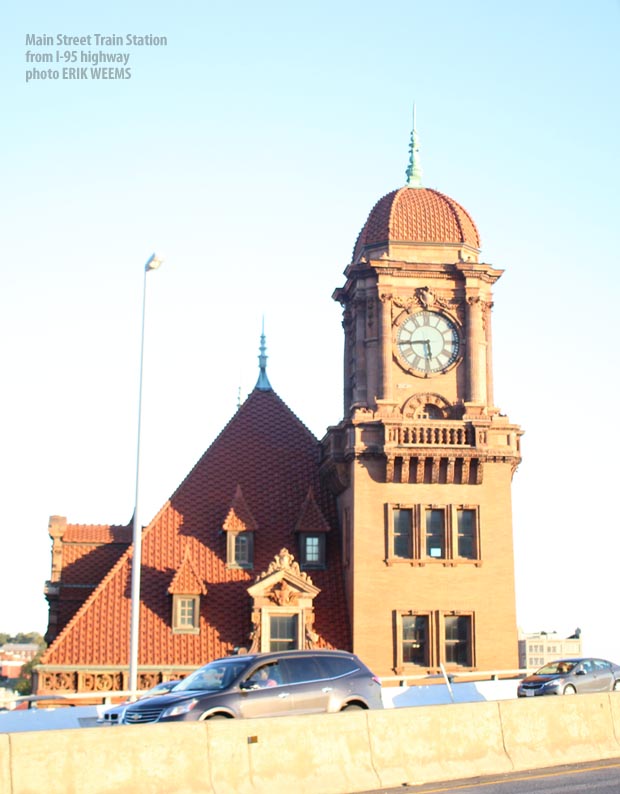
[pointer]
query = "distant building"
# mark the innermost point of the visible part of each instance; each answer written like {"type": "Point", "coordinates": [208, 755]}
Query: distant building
{"type": "Point", "coordinates": [542, 647]}
{"type": "Point", "coordinates": [14, 655]}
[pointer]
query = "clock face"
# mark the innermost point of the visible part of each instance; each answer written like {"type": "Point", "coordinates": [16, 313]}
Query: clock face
{"type": "Point", "coordinates": [428, 342]}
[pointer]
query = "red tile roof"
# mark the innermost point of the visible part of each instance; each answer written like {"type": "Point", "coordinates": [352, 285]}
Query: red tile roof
{"type": "Point", "coordinates": [239, 518]}
{"type": "Point", "coordinates": [274, 459]}
{"type": "Point", "coordinates": [89, 551]}
{"type": "Point", "coordinates": [418, 215]}
{"type": "Point", "coordinates": [311, 519]}
{"type": "Point", "coordinates": [187, 580]}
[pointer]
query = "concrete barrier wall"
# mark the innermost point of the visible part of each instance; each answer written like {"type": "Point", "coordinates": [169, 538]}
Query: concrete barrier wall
{"type": "Point", "coordinates": [437, 743]}
{"type": "Point", "coordinates": [567, 730]}
{"type": "Point", "coordinates": [322, 754]}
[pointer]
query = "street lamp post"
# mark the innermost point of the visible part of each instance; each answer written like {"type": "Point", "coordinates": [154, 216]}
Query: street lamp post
{"type": "Point", "coordinates": [153, 263]}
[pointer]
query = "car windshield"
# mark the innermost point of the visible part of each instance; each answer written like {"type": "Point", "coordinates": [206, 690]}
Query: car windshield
{"type": "Point", "coordinates": [214, 676]}
{"type": "Point", "coordinates": [556, 668]}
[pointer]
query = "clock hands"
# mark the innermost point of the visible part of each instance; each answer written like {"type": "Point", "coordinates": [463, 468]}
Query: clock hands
{"type": "Point", "coordinates": [428, 342]}
{"type": "Point", "coordinates": [428, 353]}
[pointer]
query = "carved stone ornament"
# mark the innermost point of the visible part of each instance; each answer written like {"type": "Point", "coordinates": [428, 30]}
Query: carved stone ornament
{"type": "Point", "coordinates": [284, 561]}
{"type": "Point", "coordinates": [428, 299]}
{"type": "Point", "coordinates": [283, 594]}
{"type": "Point", "coordinates": [400, 302]}
{"type": "Point", "coordinates": [424, 298]}
{"type": "Point", "coordinates": [415, 407]}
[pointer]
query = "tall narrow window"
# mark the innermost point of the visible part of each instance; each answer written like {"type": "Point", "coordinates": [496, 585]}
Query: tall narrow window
{"type": "Point", "coordinates": [240, 549]}
{"type": "Point", "coordinates": [415, 639]}
{"type": "Point", "coordinates": [283, 632]}
{"type": "Point", "coordinates": [466, 527]}
{"type": "Point", "coordinates": [403, 533]}
{"type": "Point", "coordinates": [458, 640]}
{"type": "Point", "coordinates": [435, 533]}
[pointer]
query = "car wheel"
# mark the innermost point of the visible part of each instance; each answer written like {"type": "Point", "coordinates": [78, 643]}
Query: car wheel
{"type": "Point", "coordinates": [616, 686]}
{"type": "Point", "coordinates": [352, 707]}
{"type": "Point", "coordinates": [569, 690]}
{"type": "Point", "coordinates": [217, 717]}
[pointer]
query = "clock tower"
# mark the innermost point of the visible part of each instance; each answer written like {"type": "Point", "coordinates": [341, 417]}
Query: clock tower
{"type": "Point", "coordinates": [423, 460]}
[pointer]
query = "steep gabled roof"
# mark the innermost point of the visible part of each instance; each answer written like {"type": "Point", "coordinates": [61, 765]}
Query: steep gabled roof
{"type": "Point", "coordinates": [268, 453]}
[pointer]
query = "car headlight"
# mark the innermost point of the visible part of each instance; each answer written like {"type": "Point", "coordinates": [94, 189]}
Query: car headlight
{"type": "Point", "coordinates": [551, 684]}
{"type": "Point", "coordinates": [180, 708]}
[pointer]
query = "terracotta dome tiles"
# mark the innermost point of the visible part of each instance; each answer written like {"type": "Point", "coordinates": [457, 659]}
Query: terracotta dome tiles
{"type": "Point", "coordinates": [418, 215]}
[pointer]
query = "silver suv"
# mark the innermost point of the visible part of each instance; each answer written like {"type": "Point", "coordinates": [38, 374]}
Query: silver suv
{"type": "Point", "coordinates": [264, 685]}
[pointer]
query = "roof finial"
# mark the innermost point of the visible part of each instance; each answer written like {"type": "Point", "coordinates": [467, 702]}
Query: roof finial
{"type": "Point", "coordinates": [262, 384]}
{"type": "Point", "coordinates": [414, 171]}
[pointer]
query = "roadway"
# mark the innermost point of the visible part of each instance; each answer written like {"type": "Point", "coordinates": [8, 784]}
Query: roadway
{"type": "Point", "coordinates": [597, 777]}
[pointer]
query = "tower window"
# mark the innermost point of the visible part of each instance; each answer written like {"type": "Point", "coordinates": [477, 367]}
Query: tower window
{"type": "Point", "coordinates": [435, 533]}
{"type": "Point", "coordinates": [458, 640]}
{"type": "Point", "coordinates": [425, 639]}
{"type": "Point", "coordinates": [403, 533]}
{"type": "Point", "coordinates": [466, 533]}
{"type": "Point", "coordinates": [430, 411]}
{"type": "Point", "coordinates": [415, 644]}
{"type": "Point", "coordinates": [425, 533]}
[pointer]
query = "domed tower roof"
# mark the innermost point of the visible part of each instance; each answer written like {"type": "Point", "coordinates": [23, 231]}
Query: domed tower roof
{"type": "Point", "coordinates": [416, 223]}
{"type": "Point", "coordinates": [420, 215]}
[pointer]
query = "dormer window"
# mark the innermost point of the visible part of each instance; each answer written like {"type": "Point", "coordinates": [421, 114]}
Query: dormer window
{"type": "Point", "coordinates": [185, 614]}
{"type": "Point", "coordinates": [239, 527]}
{"type": "Point", "coordinates": [186, 588]}
{"type": "Point", "coordinates": [240, 550]}
{"type": "Point", "coordinates": [311, 530]}
{"type": "Point", "coordinates": [312, 550]}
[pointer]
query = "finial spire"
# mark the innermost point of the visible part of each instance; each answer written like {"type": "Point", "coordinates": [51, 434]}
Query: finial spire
{"type": "Point", "coordinates": [262, 384]}
{"type": "Point", "coordinates": [414, 170]}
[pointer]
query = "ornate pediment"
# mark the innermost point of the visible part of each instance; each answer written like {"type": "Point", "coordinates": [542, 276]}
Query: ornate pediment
{"type": "Point", "coordinates": [283, 582]}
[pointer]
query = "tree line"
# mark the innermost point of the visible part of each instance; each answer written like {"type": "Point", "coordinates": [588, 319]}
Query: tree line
{"type": "Point", "coordinates": [23, 684]}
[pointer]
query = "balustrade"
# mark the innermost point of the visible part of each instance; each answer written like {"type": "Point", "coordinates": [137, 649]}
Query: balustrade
{"type": "Point", "coordinates": [440, 434]}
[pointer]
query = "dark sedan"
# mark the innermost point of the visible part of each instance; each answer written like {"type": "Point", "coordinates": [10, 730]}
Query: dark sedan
{"type": "Point", "coordinates": [571, 676]}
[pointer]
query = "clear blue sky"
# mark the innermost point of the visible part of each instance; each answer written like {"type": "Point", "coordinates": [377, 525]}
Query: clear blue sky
{"type": "Point", "coordinates": [250, 150]}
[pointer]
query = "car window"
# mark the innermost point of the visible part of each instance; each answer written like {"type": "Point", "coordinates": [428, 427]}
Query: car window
{"type": "Point", "coordinates": [335, 666]}
{"type": "Point", "coordinates": [213, 676]}
{"type": "Point", "coordinates": [267, 675]}
{"type": "Point", "coordinates": [300, 669]}
{"type": "Point", "coordinates": [601, 664]}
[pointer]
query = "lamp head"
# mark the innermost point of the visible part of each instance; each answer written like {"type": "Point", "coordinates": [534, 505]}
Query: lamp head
{"type": "Point", "coordinates": [153, 262]}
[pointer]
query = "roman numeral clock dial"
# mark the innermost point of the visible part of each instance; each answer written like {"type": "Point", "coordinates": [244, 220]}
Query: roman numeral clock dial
{"type": "Point", "coordinates": [428, 342]}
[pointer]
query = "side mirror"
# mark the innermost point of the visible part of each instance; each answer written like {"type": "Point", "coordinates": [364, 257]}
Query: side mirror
{"type": "Point", "coordinates": [581, 671]}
